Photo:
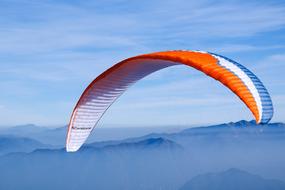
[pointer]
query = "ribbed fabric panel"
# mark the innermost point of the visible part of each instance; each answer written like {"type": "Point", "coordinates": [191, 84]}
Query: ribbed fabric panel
{"type": "Point", "coordinates": [266, 106]}
{"type": "Point", "coordinates": [97, 99]}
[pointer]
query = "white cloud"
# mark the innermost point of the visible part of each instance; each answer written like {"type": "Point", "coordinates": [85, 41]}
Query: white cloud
{"type": "Point", "coordinates": [70, 43]}
{"type": "Point", "coordinates": [229, 48]}
{"type": "Point", "coordinates": [170, 102]}
{"type": "Point", "coordinates": [66, 26]}
{"type": "Point", "coordinates": [272, 63]}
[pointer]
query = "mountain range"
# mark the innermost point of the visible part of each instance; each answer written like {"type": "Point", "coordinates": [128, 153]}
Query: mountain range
{"type": "Point", "coordinates": [153, 161]}
{"type": "Point", "coordinates": [9, 144]}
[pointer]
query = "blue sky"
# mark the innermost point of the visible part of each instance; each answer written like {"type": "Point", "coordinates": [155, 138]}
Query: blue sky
{"type": "Point", "coordinates": [52, 49]}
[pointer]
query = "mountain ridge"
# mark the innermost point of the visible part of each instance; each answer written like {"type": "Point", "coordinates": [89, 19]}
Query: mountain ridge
{"type": "Point", "coordinates": [10, 143]}
{"type": "Point", "coordinates": [234, 130]}
{"type": "Point", "coordinates": [232, 179]}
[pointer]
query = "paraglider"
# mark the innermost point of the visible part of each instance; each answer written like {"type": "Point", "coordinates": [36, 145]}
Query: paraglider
{"type": "Point", "coordinates": [108, 86]}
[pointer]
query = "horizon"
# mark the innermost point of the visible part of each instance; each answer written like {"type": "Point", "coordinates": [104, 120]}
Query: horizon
{"type": "Point", "coordinates": [121, 126]}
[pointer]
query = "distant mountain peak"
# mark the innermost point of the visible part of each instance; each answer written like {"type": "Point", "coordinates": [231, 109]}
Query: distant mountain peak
{"type": "Point", "coordinates": [148, 143]}
{"type": "Point", "coordinates": [232, 179]}
{"type": "Point", "coordinates": [25, 125]}
{"type": "Point", "coordinates": [242, 124]}
{"type": "Point", "coordinates": [10, 144]}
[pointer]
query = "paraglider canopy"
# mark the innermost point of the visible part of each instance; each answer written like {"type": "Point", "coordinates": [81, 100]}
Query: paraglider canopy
{"type": "Point", "coordinates": [108, 86]}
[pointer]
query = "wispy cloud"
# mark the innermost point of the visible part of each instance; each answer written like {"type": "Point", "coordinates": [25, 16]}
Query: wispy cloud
{"type": "Point", "coordinates": [171, 102]}
{"type": "Point", "coordinates": [230, 48]}
{"type": "Point", "coordinates": [51, 27]}
{"type": "Point", "coordinates": [274, 63]}
{"type": "Point", "coordinates": [50, 50]}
